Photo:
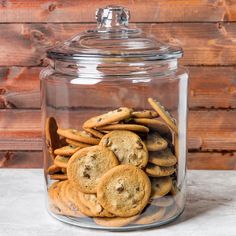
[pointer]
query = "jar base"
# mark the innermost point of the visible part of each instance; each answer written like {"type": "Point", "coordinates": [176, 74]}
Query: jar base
{"type": "Point", "coordinates": [89, 223]}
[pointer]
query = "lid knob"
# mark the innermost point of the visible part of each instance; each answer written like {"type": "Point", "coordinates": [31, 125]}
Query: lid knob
{"type": "Point", "coordinates": [112, 16]}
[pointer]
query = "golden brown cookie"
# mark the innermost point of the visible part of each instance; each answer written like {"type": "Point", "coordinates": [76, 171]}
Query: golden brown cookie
{"type": "Point", "coordinates": [144, 114]}
{"type": "Point", "coordinates": [66, 150]}
{"type": "Point", "coordinates": [52, 138]}
{"type": "Point", "coordinates": [53, 192]}
{"type": "Point", "coordinates": [127, 146]}
{"type": "Point", "coordinates": [94, 132]}
{"type": "Point", "coordinates": [157, 125]}
{"type": "Point", "coordinates": [154, 142]}
{"type": "Point", "coordinates": [71, 193]}
{"type": "Point", "coordinates": [163, 201]}
{"type": "Point", "coordinates": [87, 166]}
{"type": "Point", "coordinates": [152, 214]}
{"type": "Point", "coordinates": [61, 161]}
{"type": "Point", "coordinates": [162, 158]}
{"type": "Point", "coordinates": [66, 207]}
{"type": "Point", "coordinates": [130, 127]}
{"type": "Point", "coordinates": [51, 189]}
{"type": "Point", "coordinates": [115, 222]}
{"type": "Point", "coordinates": [159, 171]}
{"type": "Point", "coordinates": [160, 187]}
{"type": "Point", "coordinates": [77, 143]}
{"type": "Point", "coordinates": [53, 169]}
{"type": "Point", "coordinates": [81, 136]}
{"type": "Point", "coordinates": [58, 176]}
{"type": "Point", "coordinates": [108, 118]}
{"type": "Point", "coordinates": [90, 201]}
{"type": "Point", "coordinates": [124, 190]}
{"type": "Point", "coordinates": [164, 114]}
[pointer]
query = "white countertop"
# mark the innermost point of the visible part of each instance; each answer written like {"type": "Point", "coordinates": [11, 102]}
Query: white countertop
{"type": "Point", "coordinates": [210, 208]}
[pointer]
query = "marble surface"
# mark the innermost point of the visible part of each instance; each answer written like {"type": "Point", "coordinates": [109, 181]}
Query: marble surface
{"type": "Point", "coordinates": [210, 208]}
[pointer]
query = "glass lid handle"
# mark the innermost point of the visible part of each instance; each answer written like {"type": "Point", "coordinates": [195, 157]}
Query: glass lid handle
{"type": "Point", "coordinates": [112, 16]}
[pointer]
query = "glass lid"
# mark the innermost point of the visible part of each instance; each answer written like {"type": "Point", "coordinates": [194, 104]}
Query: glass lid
{"type": "Point", "coordinates": [113, 38]}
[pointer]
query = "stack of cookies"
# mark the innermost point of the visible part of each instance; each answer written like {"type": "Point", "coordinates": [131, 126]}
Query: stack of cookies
{"type": "Point", "coordinates": [120, 170]}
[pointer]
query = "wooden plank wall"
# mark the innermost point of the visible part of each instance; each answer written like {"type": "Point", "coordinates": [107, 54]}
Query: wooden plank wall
{"type": "Point", "coordinates": [206, 29]}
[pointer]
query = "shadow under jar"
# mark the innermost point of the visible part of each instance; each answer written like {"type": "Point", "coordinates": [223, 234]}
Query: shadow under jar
{"type": "Point", "coordinates": [114, 112]}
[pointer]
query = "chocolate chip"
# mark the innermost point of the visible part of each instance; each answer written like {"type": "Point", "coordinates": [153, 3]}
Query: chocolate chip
{"type": "Point", "coordinates": [58, 209]}
{"type": "Point", "coordinates": [93, 156]}
{"type": "Point", "coordinates": [107, 142]}
{"type": "Point", "coordinates": [139, 144]}
{"type": "Point", "coordinates": [134, 201]}
{"type": "Point", "coordinates": [137, 189]}
{"type": "Point", "coordinates": [87, 167]}
{"type": "Point", "coordinates": [120, 189]}
{"type": "Point", "coordinates": [86, 175]}
{"type": "Point", "coordinates": [132, 156]}
{"type": "Point", "coordinates": [73, 207]}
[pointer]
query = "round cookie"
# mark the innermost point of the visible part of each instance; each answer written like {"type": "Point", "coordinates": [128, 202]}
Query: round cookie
{"type": "Point", "coordinates": [66, 150]}
{"type": "Point", "coordinates": [108, 118]}
{"type": "Point", "coordinates": [71, 193]}
{"type": "Point", "coordinates": [165, 115]}
{"type": "Point", "coordinates": [124, 190]}
{"type": "Point", "coordinates": [152, 214]}
{"type": "Point", "coordinates": [131, 127]}
{"type": "Point", "coordinates": [58, 176]}
{"type": "Point", "coordinates": [144, 114]}
{"type": "Point", "coordinates": [94, 132]}
{"type": "Point", "coordinates": [81, 136]}
{"type": "Point", "coordinates": [159, 171]}
{"type": "Point", "coordinates": [157, 125]}
{"type": "Point", "coordinates": [67, 208]}
{"type": "Point", "coordinates": [163, 201]}
{"type": "Point", "coordinates": [61, 161]}
{"type": "Point", "coordinates": [154, 142]}
{"type": "Point", "coordinates": [162, 158]}
{"type": "Point", "coordinates": [77, 143]}
{"type": "Point", "coordinates": [53, 169]}
{"type": "Point", "coordinates": [115, 222]}
{"type": "Point", "coordinates": [160, 187]}
{"type": "Point", "coordinates": [90, 201]}
{"type": "Point", "coordinates": [87, 166]}
{"type": "Point", "coordinates": [52, 138]}
{"type": "Point", "coordinates": [127, 146]}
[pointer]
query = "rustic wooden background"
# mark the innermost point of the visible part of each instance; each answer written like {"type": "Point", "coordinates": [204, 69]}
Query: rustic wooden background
{"type": "Point", "coordinates": [206, 29]}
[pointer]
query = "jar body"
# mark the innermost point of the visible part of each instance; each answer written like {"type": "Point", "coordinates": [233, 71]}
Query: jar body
{"type": "Point", "coordinates": [69, 99]}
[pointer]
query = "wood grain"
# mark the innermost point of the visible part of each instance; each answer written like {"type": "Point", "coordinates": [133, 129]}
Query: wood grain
{"type": "Point", "coordinates": [208, 130]}
{"type": "Point", "coordinates": [21, 159]}
{"type": "Point", "coordinates": [196, 160]}
{"type": "Point", "coordinates": [212, 160]}
{"type": "Point", "coordinates": [210, 87]}
{"type": "Point", "coordinates": [141, 11]}
{"type": "Point", "coordinates": [19, 87]}
{"type": "Point", "coordinates": [203, 44]}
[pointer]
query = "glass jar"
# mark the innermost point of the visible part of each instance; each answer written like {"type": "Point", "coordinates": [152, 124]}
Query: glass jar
{"type": "Point", "coordinates": [114, 112]}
